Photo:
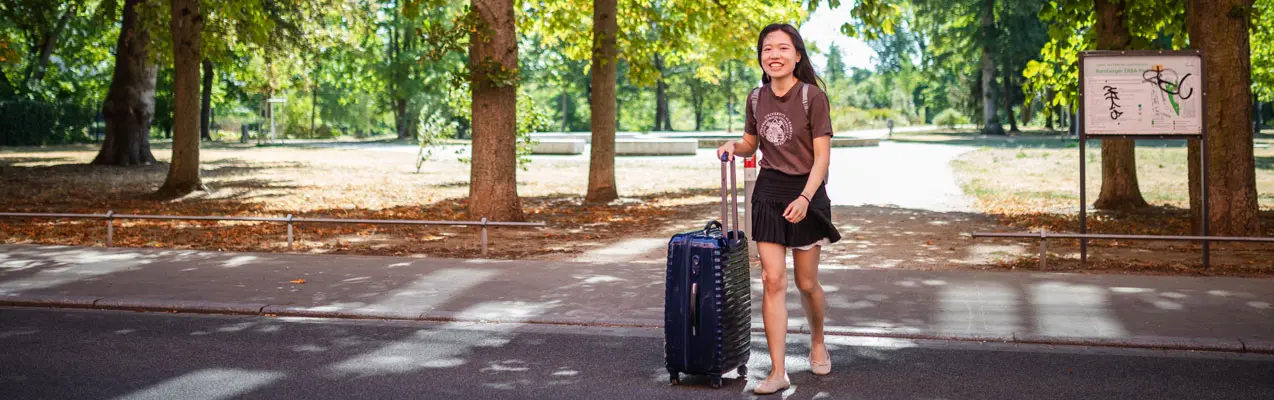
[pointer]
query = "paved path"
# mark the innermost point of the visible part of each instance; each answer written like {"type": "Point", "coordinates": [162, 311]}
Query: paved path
{"type": "Point", "coordinates": [1232, 314]}
{"type": "Point", "coordinates": [908, 175]}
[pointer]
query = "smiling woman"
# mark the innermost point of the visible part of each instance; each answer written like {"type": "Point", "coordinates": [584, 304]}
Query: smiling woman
{"type": "Point", "coordinates": [788, 120]}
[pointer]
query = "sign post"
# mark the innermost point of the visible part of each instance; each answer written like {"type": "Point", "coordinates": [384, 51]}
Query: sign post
{"type": "Point", "coordinates": [1141, 95]}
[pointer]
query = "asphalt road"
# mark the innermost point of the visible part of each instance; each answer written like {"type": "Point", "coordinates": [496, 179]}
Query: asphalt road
{"type": "Point", "coordinates": [61, 354]}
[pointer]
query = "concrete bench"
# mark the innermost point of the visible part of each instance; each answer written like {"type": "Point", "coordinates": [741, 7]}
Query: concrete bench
{"type": "Point", "coordinates": [558, 146]}
{"type": "Point", "coordinates": [587, 137]}
{"type": "Point", "coordinates": [836, 142]}
{"type": "Point", "coordinates": [656, 147]}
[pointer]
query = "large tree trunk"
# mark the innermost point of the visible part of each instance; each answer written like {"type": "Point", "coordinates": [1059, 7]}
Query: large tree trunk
{"type": "Point", "coordinates": [205, 102]}
{"type": "Point", "coordinates": [601, 164]}
{"type": "Point", "coordinates": [990, 124]}
{"type": "Point", "coordinates": [35, 71]}
{"type": "Point", "coordinates": [493, 191]}
{"type": "Point", "coordinates": [129, 106]}
{"type": "Point", "coordinates": [183, 174]}
{"type": "Point", "coordinates": [1119, 187]}
{"type": "Point", "coordinates": [1220, 29]}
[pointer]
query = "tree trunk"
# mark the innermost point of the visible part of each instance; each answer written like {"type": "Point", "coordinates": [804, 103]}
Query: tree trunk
{"type": "Point", "coordinates": [729, 98]}
{"type": "Point", "coordinates": [35, 72]}
{"type": "Point", "coordinates": [1048, 119]}
{"type": "Point", "coordinates": [129, 106]}
{"type": "Point", "coordinates": [1220, 28]}
{"type": "Point", "coordinates": [1256, 115]}
{"type": "Point", "coordinates": [698, 117]}
{"type": "Point", "coordinates": [205, 103]}
{"type": "Point", "coordinates": [183, 174]}
{"type": "Point", "coordinates": [697, 98]}
{"type": "Point", "coordinates": [1008, 103]}
{"type": "Point", "coordinates": [565, 116]}
{"type": "Point", "coordinates": [399, 100]}
{"type": "Point", "coordinates": [601, 164]}
{"type": "Point", "coordinates": [314, 97]}
{"type": "Point", "coordinates": [400, 118]}
{"type": "Point", "coordinates": [1119, 187]}
{"type": "Point", "coordinates": [663, 104]}
{"type": "Point", "coordinates": [990, 124]}
{"type": "Point", "coordinates": [662, 119]}
{"type": "Point", "coordinates": [493, 191]}
{"type": "Point", "coordinates": [6, 88]}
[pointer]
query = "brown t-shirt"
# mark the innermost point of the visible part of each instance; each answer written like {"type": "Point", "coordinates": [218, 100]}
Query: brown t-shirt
{"type": "Point", "coordinates": [787, 135]}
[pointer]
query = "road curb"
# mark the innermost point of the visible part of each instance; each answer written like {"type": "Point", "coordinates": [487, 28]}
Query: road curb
{"type": "Point", "coordinates": [202, 307]}
{"type": "Point", "coordinates": [327, 312]}
{"type": "Point", "coordinates": [58, 301]}
{"type": "Point", "coordinates": [194, 307]}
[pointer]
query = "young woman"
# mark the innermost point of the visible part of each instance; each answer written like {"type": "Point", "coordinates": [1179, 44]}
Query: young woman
{"type": "Point", "coordinates": [788, 119]}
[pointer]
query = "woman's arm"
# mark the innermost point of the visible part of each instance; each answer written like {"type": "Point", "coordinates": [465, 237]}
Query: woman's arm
{"type": "Point", "coordinates": [822, 160]}
{"type": "Point", "coordinates": [745, 147]}
{"type": "Point", "coordinates": [742, 147]}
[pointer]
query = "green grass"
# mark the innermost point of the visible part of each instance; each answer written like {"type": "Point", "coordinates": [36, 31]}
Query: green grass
{"type": "Point", "coordinates": [1046, 175]}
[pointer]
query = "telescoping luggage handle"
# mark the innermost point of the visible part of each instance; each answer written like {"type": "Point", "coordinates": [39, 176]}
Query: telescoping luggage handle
{"type": "Point", "coordinates": [727, 162]}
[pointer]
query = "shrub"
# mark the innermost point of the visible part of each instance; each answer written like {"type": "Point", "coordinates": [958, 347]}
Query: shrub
{"type": "Point", "coordinates": [949, 118]}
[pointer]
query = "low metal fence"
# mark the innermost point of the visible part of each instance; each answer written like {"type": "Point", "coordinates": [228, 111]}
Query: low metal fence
{"type": "Point", "coordinates": [290, 220]}
{"type": "Point", "coordinates": [1044, 235]}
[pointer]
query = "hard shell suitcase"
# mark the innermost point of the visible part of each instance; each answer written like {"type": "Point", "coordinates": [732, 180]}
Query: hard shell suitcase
{"type": "Point", "coordinates": [708, 297]}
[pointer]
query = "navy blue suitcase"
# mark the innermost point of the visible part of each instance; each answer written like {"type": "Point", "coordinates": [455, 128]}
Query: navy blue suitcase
{"type": "Point", "coordinates": [708, 298]}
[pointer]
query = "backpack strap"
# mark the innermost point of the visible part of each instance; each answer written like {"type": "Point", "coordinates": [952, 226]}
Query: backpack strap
{"type": "Point", "coordinates": [805, 102]}
{"type": "Point", "coordinates": [805, 98]}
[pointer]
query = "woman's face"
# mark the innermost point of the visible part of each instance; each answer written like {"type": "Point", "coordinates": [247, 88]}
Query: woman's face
{"type": "Point", "coordinates": [778, 55]}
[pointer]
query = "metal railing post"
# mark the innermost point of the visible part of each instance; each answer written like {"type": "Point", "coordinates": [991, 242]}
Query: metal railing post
{"type": "Point", "coordinates": [484, 236]}
{"type": "Point", "coordinates": [110, 228]}
{"type": "Point", "coordinates": [289, 231]}
{"type": "Point", "coordinates": [1043, 249]}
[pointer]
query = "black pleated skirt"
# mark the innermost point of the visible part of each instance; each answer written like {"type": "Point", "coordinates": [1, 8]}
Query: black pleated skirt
{"type": "Point", "coordinates": [773, 192]}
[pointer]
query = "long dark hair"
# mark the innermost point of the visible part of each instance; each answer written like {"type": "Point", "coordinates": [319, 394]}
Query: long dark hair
{"type": "Point", "coordinates": [804, 71]}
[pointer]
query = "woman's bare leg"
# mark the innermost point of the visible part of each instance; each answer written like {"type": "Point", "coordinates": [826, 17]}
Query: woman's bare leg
{"type": "Point", "coordinates": [812, 299]}
{"type": "Point", "coordinates": [774, 304]}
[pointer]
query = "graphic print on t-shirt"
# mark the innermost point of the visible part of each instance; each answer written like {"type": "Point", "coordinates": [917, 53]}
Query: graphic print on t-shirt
{"type": "Point", "coordinates": [776, 128]}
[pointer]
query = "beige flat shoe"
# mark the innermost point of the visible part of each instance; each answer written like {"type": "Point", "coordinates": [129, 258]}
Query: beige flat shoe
{"type": "Point", "coordinates": [821, 368]}
{"type": "Point", "coordinates": [771, 387]}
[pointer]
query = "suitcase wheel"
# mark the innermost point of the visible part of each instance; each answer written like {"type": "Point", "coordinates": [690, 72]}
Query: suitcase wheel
{"type": "Point", "coordinates": [674, 378]}
{"type": "Point", "coordinates": [716, 382]}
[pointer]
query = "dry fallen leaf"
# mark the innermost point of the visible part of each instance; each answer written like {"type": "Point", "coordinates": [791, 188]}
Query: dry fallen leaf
{"type": "Point", "coordinates": [299, 281]}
